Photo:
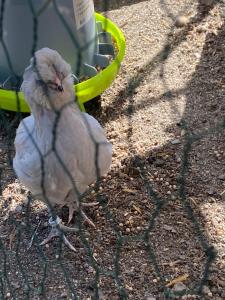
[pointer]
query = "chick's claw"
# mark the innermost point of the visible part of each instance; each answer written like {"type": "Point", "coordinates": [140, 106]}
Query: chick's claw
{"type": "Point", "coordinates": [58, 230]}
{"type": "Point", "coordinates": [86, 218]}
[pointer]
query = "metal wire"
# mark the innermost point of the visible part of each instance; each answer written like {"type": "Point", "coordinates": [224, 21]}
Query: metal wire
{"type": "Point", "coordinates": [121, 240]}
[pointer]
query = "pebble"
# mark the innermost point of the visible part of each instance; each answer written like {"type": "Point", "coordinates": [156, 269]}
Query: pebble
{"type": "Point", "coordinates": [222, 294]}
{"type": "Point", "coordinates": [175, 142]}
{"type": "Point", "coordinates": [64, 295]}
{"type": "Point", "coordinates": [211, 192]}
{"type": "Point", "coordinates": [26, 201]}
{"type": "Point", "coordinates": [206, 291]}
{"type": "Point", "coordinates": [183, 132]}
{"type": "Point", "coordinates": [179, 287]}
{"type": "Point", "coordinates": [18, 209]}
{"type": "Point", "coordinates": [168, 227]}
{"type": "Point", "coordinates": [178, 159]}
{"type": "Point", "coordinates": [221, 177]}
{"type": "Point", "coordinates": [159, 162]}
{"type": "Point", "coordinates": [150, 298]}
{"type": "Point", "coordinates": [221, 282]}
{"type": "Point", "coordinates": [198, 55]}
{"type": "Point", "coordinates": [181, 21]}
{"type": "Point", "coordinates": [15, 285]}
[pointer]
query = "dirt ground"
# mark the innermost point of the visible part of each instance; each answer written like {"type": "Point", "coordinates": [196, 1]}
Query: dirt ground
{"type": "Point", "coordinates": [161, 228]}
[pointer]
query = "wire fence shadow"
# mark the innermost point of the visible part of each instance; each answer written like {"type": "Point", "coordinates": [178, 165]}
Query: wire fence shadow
{"type": "Point", "coordinates": [102, 259]}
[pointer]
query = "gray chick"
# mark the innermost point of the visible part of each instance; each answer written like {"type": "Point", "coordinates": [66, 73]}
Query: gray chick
{"type": "Point", "coordinates": [56, 145]}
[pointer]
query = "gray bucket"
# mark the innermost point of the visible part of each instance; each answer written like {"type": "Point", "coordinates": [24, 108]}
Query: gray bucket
{"type": "Point", "coordinates": [76, 41]}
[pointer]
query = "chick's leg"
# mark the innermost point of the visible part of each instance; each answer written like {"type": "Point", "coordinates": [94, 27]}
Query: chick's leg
{"type": "Point", "coordinates": [58, 230]}
{"type": "Point", "coordinates": [86, 218]}
{"type": "Point", "coordinates": [71, 202]}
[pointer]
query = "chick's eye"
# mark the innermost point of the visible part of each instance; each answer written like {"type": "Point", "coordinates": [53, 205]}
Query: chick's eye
{"type": "Point", "coordinates": [52, 85]}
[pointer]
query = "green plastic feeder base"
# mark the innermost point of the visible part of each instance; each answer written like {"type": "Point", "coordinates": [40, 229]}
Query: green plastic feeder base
{"type": "Point", "coordinates": [85, 90]}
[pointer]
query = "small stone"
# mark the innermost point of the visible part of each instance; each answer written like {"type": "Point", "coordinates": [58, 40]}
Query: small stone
{"type": "Point", "coordinates": [169, 228]}
{"type": "Point", "coordinates": [150, 298]}
{"type": "Point", "coordinates": [175, 142]}
{"type": "Point", "coordinates": [198, 55]}
{"type": "Point", "coordinates": [222, 294]}
{"type": "Point", "coordinates": [18, 209]}
{"type": "Point", "coordinates": [183, 131]}
{"type": "Point", "coordinates": [221, 282]}
{"type": "Point", "coordinates": [181, 21]}
{"type": "Point", "coordinates": [159, 162]}
{"type": "Point", "coordinates": [26, 201]}
{"type": "Point", "coordinates": [127, 229]}
{"type": "Point", "coordinates": [64, 295]}
{"type": "Point", "coordinates": [211, 192]}
{"type": "Point", "coordinates": [179, 287]}
{"type": "Point", "coordinates": [206, 291]}
{"type": "Point", "coordinates": [178, 159]}
{"type": "Point", "coordinates": [221, 177]}
{"type": "Point", "coordinates": [15, 285]}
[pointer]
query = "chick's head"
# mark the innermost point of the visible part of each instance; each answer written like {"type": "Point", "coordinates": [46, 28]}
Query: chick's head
{"type": "Point", "coordinates": [48, 80]}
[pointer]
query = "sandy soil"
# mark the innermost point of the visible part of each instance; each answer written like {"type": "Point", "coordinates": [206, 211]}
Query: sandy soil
{"type": "Point", "coordinates": [160, 224]}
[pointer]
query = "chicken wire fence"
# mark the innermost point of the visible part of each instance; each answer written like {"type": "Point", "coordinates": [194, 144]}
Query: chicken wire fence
{"type": "Point", "coordinates": [13, 262]}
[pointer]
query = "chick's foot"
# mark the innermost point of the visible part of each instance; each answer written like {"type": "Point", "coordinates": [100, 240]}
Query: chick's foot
{"type": "Point", "coordinates": [58, 230]}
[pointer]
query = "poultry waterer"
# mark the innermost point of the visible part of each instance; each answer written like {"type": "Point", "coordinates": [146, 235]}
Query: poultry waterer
{"type": "Point", "coordinates": [92, 44]}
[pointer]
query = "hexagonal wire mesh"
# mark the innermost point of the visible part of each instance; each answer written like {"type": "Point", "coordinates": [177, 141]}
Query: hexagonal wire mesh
{"type": "Point", "coordinates": [36, 272]}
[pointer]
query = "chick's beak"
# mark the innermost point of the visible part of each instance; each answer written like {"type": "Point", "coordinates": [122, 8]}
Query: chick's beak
{"type": "Point", "coordinates": [60, 88]}
{"type": "Point", "coordinates": [58, 83]}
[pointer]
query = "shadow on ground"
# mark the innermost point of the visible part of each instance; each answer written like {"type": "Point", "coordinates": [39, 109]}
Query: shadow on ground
{"type": "Point", "coordinates": [162, 213]}
{"type": "Point", "coordinates": [104, 5]}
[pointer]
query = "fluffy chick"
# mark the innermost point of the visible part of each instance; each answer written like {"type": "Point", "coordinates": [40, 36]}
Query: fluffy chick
{"type": "Point", "coordinates": [56, 145]}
